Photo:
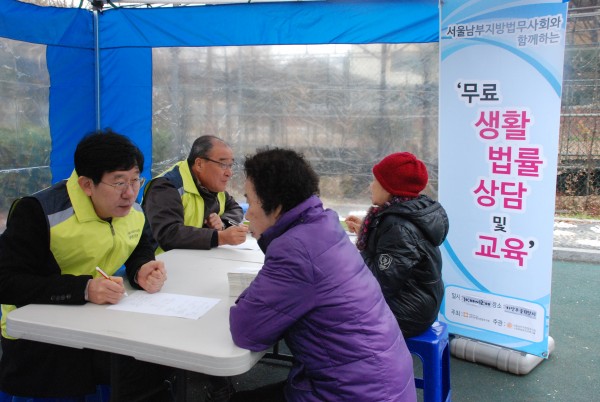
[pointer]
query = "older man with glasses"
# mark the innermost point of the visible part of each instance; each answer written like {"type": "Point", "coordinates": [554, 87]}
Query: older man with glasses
{"type": "Point", "coordinates": [187, 206]}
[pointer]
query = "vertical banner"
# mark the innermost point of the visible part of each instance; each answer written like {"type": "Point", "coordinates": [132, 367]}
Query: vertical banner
{"type": "Point", "coordinates": [501, 65]}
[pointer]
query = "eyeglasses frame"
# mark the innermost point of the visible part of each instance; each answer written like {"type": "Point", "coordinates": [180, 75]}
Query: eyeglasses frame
{"type": "Point", "coordinates": [131, 183]}
{"type": "Point", "coordinates": [223, 166]}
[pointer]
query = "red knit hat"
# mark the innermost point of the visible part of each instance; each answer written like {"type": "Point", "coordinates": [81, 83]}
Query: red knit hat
{"type": "Point", "coordinates": [401, 174]}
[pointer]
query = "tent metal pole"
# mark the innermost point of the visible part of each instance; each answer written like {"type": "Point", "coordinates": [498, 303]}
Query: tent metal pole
{"type": "Point", "coordinates": [97, 69]}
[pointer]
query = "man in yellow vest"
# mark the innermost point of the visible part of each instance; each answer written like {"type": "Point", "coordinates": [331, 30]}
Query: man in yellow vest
{"type": "Point", "coordinates": [188, 207]}
{"type": "Point", "coordinates": [53, 242]}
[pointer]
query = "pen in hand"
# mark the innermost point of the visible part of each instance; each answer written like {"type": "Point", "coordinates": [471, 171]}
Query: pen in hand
{"type": "Point", "coordinates": [105, 275]}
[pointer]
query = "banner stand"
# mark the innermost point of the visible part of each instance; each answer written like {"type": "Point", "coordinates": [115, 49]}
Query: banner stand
{"type": "Point", "coordinates": [499, 357]}
{"type": "Point", "coordinates": [501, 66]}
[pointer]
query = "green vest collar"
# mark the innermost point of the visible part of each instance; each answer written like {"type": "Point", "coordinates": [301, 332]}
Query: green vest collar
{"type": "Point", "coordinates": [189, 184]}
{"type": "Point", "coordinates": [82, 203]}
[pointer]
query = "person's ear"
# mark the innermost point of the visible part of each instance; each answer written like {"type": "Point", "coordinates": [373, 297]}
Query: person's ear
{"type": "Point", "coordinates": [196, 168]}
{"type": "Point", "coordinates": [277, 212]}
{"type": "Point", "coordinates": [86, 185]}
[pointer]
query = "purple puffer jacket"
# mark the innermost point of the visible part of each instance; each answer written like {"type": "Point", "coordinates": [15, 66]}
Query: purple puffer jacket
{"type": "Point", "coordinates": [315, 291]}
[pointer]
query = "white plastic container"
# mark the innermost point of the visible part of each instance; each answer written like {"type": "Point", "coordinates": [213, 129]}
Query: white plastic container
{"type": "Point", "coordinates": [504, 359]}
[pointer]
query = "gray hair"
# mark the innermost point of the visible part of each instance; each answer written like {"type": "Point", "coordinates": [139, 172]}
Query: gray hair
{"type": "Point", "coordinates": [201, 147]}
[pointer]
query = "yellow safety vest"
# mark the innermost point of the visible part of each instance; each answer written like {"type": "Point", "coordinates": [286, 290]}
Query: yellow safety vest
{"type": "Point", "coordinates": [193, 203]}
{"type": "Point", "coordinates": [79, 240]}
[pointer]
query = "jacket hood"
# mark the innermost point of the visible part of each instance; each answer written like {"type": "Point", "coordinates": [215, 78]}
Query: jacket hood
{"type": "Point", "coordinates": [426, 214]}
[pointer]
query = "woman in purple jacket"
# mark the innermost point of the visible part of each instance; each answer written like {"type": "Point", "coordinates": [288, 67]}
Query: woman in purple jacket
{"type": "Point", "coordinates": [314, 291]}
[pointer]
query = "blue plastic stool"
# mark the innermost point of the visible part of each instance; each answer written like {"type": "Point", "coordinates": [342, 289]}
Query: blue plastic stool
{"type": "Point", "coordinates": [433, 348]}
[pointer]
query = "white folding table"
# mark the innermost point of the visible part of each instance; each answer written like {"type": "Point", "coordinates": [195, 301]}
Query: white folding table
{"type": "Point", "coordinates": [203, 345]}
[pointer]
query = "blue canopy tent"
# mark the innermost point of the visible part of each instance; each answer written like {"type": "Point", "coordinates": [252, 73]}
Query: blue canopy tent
{"type": "Point", "coordinates": [100, 63]}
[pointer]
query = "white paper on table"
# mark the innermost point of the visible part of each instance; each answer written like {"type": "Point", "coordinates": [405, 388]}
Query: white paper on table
{"type": "Point", "coordinates": [169, 304]}
{"type": "Point", "coordinates": [249, 244]}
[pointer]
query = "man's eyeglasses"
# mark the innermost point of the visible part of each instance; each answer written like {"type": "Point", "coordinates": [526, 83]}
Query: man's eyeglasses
{"type": "Point", "coordinates": [222, 165]}
{"type": "Point", "coordinates": [122, 186]}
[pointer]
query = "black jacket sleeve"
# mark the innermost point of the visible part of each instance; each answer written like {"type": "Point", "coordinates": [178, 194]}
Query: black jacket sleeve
{"type": "Point", "coordinates": [164, 211]}
{"type": "Point", "coordinates": [143, 253]}
{"type": "Point", "coordinates": [28, 271]}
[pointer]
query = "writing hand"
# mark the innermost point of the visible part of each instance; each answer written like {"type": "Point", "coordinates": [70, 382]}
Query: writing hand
{"type": "Point", "coordinates": [106, 291]}
{"type": "Point", "coordinates": [233, 235]}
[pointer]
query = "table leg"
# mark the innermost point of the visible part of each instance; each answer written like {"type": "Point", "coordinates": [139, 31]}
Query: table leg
{"type": "Point", "coordinates": [123, 365]}
{"type": "Point", "coordinates": [181, 385]}
{"type": "Point", "coordinates": [115, 374]}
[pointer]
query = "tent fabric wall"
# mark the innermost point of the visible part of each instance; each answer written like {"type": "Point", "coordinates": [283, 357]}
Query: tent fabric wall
{"type": "Point", "coordinates": [66, 27]}
{"type": "Point", "coordinates": [126, 96]}
{"type": "Point", "coordinates": [72, 104]}
{"type": "Point", "coordinates": [319, 22]}
{"type": "Point", "coordinates": [126, 37]}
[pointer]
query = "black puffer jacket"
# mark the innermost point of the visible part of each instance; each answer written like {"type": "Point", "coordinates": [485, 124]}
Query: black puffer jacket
{"type": "Point", "coordinates": [403, 253]}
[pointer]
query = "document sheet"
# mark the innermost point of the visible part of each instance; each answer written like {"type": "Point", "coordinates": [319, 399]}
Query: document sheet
{"type": "Point", "coordinates": [169, 304]}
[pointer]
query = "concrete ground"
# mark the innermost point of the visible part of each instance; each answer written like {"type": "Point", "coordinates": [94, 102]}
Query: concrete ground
{"type": "Point", "coordinates": [577, 240]}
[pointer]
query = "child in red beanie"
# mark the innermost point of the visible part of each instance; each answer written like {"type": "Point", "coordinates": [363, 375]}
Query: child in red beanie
{"type": "Point", "coordinates": [399, 240]}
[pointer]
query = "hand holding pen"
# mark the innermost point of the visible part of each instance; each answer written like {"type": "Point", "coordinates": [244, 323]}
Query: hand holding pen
{"type": "Point", "coordinates": [105, 276]}
{"type": "Point", "coordinates": [105, 289]}
{"type": "Point", "coordinates": [234, 234]}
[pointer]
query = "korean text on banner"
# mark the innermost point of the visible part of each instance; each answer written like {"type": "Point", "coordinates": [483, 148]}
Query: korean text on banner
{"type": "Point", "coordinates": [500, 90]}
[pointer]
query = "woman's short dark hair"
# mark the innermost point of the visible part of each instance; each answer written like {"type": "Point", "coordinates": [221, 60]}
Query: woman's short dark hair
{"type": "Point", "coordinates": [281, 177]}
{"type": "Point", "coordinates": [105, 151]}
